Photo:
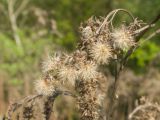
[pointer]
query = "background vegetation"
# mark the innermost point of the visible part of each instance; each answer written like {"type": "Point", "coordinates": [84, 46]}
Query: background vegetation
{"type": "Point", "coordinates": [46, 26]}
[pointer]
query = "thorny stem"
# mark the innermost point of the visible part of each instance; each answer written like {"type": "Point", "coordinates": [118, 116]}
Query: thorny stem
{"type": "Point", "coordinates": [141, 32]}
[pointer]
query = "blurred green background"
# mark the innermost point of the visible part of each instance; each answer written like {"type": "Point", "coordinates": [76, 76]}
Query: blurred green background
{"type": "Point", "coordinates": [32, 29]}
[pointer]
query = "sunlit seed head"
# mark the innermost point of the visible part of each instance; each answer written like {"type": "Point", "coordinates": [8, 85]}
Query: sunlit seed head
{"type": "Point", "coordinates": [101, 53]}
{"type": "Point", "coordinates": [88, 71]}
{"type": "Point", "coordinates": [50, 63]}
{"type": "Point", "coordinates": [122, 38]}
{"type": "Point", "coordinates": [68, 74]}
{"type": "Point", "coordinates": [44, 87]}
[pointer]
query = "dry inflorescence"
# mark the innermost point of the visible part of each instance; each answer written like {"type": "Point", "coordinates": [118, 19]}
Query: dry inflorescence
{"type": "Point", "coordinates": [100, 45]}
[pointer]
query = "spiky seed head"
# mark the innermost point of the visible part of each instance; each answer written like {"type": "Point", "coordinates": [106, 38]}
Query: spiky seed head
{"type": "Point", "coordinates": [101, 53]}
{"type": "Point", "coordinates": [51, 63]}
{"type": "Point", "coordinates": [122, 38]}
{"type": "Point", "coordinates": [47, 65]}
{"type": "Point", "coordinates": [68, 74]}
{"type": "Point", "coordinates": [44, 87]}
{"type": "Point", "coordinates": [88, 71]}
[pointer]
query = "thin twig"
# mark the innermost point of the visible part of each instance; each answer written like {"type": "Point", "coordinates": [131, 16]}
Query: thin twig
{"type": "Point", "coordinates": [143, 28]}
{"type": "Point", "coordinates": [21, 7]}
{"type": "Point", "coordinates": [153, 34]}
{"type": "Point", "coordinates": [13, 21]}
{"type": "Point", "coordinates": [113, 94]}
{"type": "Point", "coordinates": [154, 21]}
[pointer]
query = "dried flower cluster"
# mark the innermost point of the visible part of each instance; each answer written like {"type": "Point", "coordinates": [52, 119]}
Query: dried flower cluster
{"type": "Point", "coordinates": [99, 44]}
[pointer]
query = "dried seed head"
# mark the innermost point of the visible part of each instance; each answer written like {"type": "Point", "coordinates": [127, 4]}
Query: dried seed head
{"type": "Point", "coordinates": [68, 74]}
{"type": "Point", "coordinates": [88, 71]}
{"type": "Point", "coordinates": [101, 53]}
{"type": "Point", "coordinates": [44, 87]}
{"type": "Point", "coordinates": [122, 38]}
{"type": "Point", "coordinates": [51, 63]}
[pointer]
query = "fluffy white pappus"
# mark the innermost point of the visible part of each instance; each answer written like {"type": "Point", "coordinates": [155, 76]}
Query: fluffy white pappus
{"type": "Point", "coordinates": [101, 53]}
{"type": "Point", "coordinates": [122, 38]}
{"type": "Point", "coordinates": [44, 87]}
{"type": "Point", "coordinates": [50, 63]}
{"type": "Point", "coordinates": [68, 74]}
{"type": "Point", "coordinates": [88, 71]}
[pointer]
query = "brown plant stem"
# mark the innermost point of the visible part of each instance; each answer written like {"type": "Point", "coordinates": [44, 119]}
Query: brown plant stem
{"type": "Point", "coordinates": [48, 105]}
{"type": "Point", "coordinates": [113, 93]}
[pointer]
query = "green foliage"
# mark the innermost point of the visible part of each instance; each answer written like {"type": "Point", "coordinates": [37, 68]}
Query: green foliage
{"type": "Point", "coordinates": [15, 82]}
{"type": "Point", "coordinates": [16, 61]}
{"type": "Point", "coordinates": [144, 55]}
